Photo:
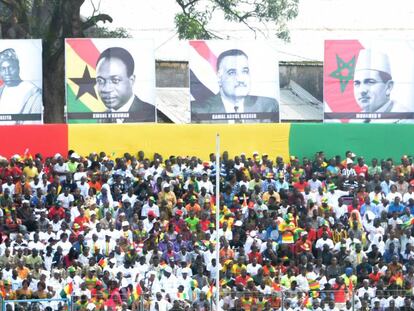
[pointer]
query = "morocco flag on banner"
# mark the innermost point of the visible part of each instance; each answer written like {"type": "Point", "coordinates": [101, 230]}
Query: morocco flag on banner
{"type": "Point", "coordinates": [339, 65]}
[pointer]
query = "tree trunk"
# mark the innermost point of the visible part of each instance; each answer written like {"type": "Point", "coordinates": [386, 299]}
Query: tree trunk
{"type": "Point", "coordinates": [54, 89]}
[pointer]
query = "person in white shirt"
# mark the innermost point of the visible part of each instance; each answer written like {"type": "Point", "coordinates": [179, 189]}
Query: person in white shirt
{"type": "Point", "coordinates": [66, 199]}
{"type": "Point", "coordinates": [106, 246]}
{"type": "Point", "coordinates": [61, 168]}
{"type": "Point", "coordinates": [64, 244]}
{"type": "Point", "coordinates": [408, 195]}
{"type": "Point", "coordinates": [366, 289]}
{"type": "Point", "coordinates": [302, 280]}
{"type": "Point", "coordinates": [9, 185]}
{"type": "Point", "coordinates": [159, 304]}
{"type": "Point", "coordinates": [206, 183]}
{"type": "Point", "coordinates": [149, 221]}
{"type": "Point", "coordinates": [324, 240]}
{"type": "Point", "coordinates": [83, 186]}
{"type": "Point", "coordinates": [169, 281]}
{"type": "Point", "coordinates": [253, 267]}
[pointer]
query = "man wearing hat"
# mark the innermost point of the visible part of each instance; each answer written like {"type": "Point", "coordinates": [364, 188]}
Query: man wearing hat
{"type": "Point", "coordinates": [303, 245]}
{"type": "Point", "coordinates": [281, 183]}
{"type": "Point", "coordinates": [169, 281]}
{"type": "Point", "coordinates": [18, 96]}
{"type": "Point", "coordinates": [150, 206]}
{"type": "Point", "coordinates": [167, 196]}
{"type": "Point", "coordinates": [373, 82]}
{"type": "Point", "coordinates": [149, 221]}
{"type": "Point", "coordinates": [269, 181]}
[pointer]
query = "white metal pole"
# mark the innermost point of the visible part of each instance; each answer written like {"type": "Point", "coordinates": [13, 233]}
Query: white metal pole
{"type": "Point", "coordinates": [218, 170]}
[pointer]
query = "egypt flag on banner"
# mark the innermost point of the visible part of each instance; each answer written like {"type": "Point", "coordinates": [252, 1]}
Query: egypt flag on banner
{"type": "Point", "coordinates": [110, 81]}
{"type": "Point", "coordinates": [368, 81]}
{"type": "Point", "coordinates": [233, 82]}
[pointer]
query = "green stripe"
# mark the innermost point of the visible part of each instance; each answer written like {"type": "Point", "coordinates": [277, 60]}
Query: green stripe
{"type": "Point", "coordinates": [75, 105]}
{"type": "Point", "coordinates": [368, 140]}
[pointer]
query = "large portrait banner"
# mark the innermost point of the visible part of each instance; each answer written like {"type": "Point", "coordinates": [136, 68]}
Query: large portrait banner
{"type": "Point", "coordinates": [369, 82]}
{"type": "Point", "coordinates": [21, 82]}
{"type": "Point", "coordinates": [233, 82]}
{"type": "Point", "coordinates": [110, 81]}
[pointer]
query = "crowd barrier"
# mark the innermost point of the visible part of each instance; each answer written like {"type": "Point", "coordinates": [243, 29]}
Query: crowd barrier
{"type": "Point", "coordinates": [36, 305]}
{"type": "Point", "coordinates": [258, 300]}
{"type": "Point", "coordinates": [368, 140]}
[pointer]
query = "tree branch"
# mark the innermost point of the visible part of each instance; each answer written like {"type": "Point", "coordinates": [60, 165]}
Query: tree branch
{"type": "Point", "coordinates": [95, 19]}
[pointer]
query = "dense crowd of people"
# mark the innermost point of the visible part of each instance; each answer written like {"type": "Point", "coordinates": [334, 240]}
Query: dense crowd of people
{"type": "Point", "coordinates": [133, 233]}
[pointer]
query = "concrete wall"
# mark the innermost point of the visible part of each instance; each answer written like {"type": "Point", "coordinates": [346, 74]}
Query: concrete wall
{"type": "Point", "coordinates": [309, 75]}
{"type": "Point", "coordinates": [171, 74]}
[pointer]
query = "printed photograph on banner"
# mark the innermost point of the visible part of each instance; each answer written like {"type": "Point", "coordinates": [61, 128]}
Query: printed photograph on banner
{"type": "Point", "coordinates": [233, 82]}
{"type": "Point", "coordinates": [369, 81]}
{"type": "Point", "coordinates": [110, 81]}
{"type": "Point", "coordinates": [21, 82]}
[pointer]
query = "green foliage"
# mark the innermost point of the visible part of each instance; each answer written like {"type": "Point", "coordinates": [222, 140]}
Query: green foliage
{"type": "Point", "coordinates": [103, 32]}
{"type": "Point", "coordinates": [193, 20]}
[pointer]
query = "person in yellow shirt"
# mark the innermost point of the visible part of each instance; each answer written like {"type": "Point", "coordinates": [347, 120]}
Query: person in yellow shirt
{"type": "Point", "coordinates": [287, 228]}
{"type": "Point", "coordinates": [271, 193]}
{"type": "Point", "coordinates": [238, 266]}
{"type": "Point", "coordinates": [30, 171]}
{"type": "Point", "coordinates": [168, 197]}
{"type": "Point", "coordinates": [22, 271]}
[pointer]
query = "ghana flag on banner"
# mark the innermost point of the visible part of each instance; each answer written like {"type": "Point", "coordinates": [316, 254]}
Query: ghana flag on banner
{"type": "Point", "coordinates": [110, 81]}
{"type": "Point", "coordinates": [233, 82]}
{"type": "Point", "coordinates": [369, 81]}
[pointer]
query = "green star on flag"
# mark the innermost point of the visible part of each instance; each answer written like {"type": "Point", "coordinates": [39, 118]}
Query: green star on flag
{"type": "Point", "coordinates": [344, 72]}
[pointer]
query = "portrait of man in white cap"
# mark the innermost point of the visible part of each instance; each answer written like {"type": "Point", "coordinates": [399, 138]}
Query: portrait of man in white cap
{"type": "Point", "coordinates": [373, 82]}
{"type": "Point", "coordinates": [17, 96]}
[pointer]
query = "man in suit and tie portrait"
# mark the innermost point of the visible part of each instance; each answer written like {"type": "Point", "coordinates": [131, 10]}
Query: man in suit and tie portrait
{"type": "Point", "coordinates": [115, 85]}
{"type": "Point", "coordinates": [234, 81]}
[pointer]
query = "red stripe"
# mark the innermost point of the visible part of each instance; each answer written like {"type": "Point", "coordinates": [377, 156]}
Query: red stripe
{"type": "Point", "coordinates": [47, 139]}
{"type": "Point", "coordinates": [85, 49]}
{"type": "Point", "coordinates": [204, 51]}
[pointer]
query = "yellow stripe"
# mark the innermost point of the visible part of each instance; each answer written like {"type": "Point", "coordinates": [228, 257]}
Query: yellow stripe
{"type": "Point", "coordinates": [183, 140]}
{"type": "Point", "coordinates": [75, 67]}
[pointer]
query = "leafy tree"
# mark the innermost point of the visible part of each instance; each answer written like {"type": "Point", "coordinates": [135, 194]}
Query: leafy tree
{"type": "Point", "coordinates": [54, 20]}
{"type": "Point", "coordinates": [195, 16]}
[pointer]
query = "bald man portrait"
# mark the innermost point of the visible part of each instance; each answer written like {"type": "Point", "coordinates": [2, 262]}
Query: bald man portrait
{"type": "Point", "coordinates": [234, 81]}
{"type": "Point", "coordinates": [115, 80]}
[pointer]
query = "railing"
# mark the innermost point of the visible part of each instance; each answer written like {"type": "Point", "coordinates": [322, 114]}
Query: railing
{"type": "Point", "coordinates": [257, 299]}
{"type": "Point", "coordinates": [36, 304]}
{"type": "Point", "coordinates": [311, 300]}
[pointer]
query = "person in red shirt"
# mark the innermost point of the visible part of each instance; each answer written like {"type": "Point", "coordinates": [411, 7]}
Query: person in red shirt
{"type": "Point", "coordinates": [56, 210]}
{"type": "Point", "coordinates": [361, 167]}
{"type": "Point", "coordinates": [303, 245]}
{"type": "Point", "coordinates": [81, 219]}
{"type": "Point", "coordinates": [242, 279]}
{"type": "Point", "coordinates": [301, 184]}
{"type": "Point", "coordinates": [95, 183]}
{"type": "Point", "coordinates": [324, 228]}
{"type": "Point", "coordinates": [204, 222]}
{"type": "Point", "coordinates": [312, 233]}
{"type": "Point", "coordinates": [255, 254]}
{"type": "Point", "coordinates": [339, 292]}
{"type": "Point", "coordinates": [375, 275]}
